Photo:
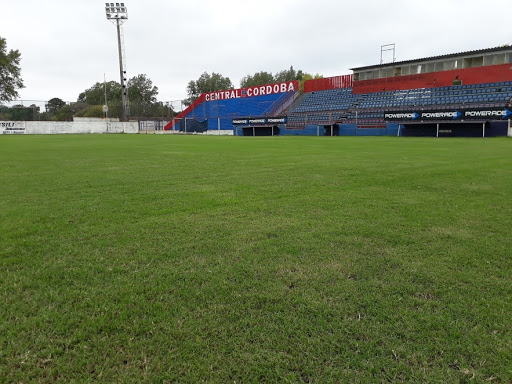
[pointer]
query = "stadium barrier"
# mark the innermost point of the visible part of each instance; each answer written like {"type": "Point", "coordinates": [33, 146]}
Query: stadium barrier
{"type": "Point", "coordinates": [86, 126]}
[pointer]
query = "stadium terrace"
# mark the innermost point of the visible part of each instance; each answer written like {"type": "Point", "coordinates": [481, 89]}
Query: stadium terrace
{"type": "Point", "coordinates": [470, 91]}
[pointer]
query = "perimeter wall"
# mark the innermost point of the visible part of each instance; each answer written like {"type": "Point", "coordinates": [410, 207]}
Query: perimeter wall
{"type": "Point", "coordinates": [72, 127]}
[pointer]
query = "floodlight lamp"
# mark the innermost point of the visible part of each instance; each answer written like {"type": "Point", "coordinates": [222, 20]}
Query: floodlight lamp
{"type": "Point", "coordinates": [116, 11]}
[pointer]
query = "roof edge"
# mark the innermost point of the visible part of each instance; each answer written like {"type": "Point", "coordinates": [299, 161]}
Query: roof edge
{"type": "Point", "coordinates": [467, 53]}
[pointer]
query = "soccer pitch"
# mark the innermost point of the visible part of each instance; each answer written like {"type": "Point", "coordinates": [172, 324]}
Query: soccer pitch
{"type": "Point", "coordinates": [150, 258]}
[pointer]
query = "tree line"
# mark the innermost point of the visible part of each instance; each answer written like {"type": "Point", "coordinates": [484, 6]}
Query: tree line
{"type": "Point", "coordinates": [142, 93]}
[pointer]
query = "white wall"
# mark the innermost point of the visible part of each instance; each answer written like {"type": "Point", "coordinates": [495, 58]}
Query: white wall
{"type": "Point", "coordinates": [74, 127]}
{"type": "Point", "coordinates": [213, 132]}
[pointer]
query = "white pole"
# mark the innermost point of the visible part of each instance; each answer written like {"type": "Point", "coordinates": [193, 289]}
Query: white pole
{"type": "Point", "coordinates": [105, 86]}
{"type": "Point", "coordinates": [483, 128]}
{"type": "Point", "coordinates": [124, 90]}
{"type": "Point", "coordinates": [218, 123]}
{"type": "Point", "coordinates": [437, 134]}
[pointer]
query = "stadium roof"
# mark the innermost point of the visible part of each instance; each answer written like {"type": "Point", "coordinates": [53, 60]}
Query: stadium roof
{"type": "Point", "coordinates": [452, 55]}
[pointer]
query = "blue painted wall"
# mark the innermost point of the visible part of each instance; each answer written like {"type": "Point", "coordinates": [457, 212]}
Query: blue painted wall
{"type": "Point", "coordinates": [344, 130]}
{"type": "Point", "coordinates": [228, 109]}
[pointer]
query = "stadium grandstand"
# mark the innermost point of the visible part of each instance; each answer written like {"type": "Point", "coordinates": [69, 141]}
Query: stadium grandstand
{"type": "Point", "coordinates": [460, 94]}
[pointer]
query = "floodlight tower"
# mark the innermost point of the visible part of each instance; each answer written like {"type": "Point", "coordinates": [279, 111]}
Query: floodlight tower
{"type": "Point", "coordinates": [118, 14]}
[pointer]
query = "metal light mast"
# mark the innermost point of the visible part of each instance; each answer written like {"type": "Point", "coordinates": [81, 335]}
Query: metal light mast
{"type": "Point", "coordinates": [118, 14]}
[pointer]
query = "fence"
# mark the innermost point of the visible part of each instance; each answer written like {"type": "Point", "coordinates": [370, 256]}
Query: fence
{"type": "Point", "coordinates": [336, 82]}
{"type": "Point", "coordinates": [34, 110]}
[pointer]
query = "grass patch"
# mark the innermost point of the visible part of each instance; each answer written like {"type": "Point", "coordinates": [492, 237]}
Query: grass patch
{"type": "Point", "coordinates": [227, 259]}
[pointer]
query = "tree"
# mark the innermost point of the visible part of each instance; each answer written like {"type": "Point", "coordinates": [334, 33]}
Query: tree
{"type": "Point", "coordinates": [92, 111]}
{"type": "Point", "coordinates": [141, 90]}
{"type": "Point", "coordinates": [207, 83]}
{"type": "Point", "coordinates": [259, 78]}
{"type": "Point", "coordinates": [10, 73]}
{"type": "Point", "coordinates": [96, 94]}
{"type": "Point", "coordinates": [264, 78]}
{"type": "Point", "coordinates": [288, 75]}
{"type": "Point", "coordinates": [19, 113]}
{"type": "Point", "coordinates": [65, 113]}
{"type": "Point", "coordinates": [142, 95]}
{"type": "Point", "coordinates": [54, 105]}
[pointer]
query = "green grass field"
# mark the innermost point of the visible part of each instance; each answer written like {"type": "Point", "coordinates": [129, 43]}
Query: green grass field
{"type": "Point", "coordinates": [128, 258]}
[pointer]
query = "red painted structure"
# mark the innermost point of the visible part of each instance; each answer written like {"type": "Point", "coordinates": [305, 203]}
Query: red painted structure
{"type": "Point", "coordinates": [477, 75]}
{"type": "Point", "coordinates": [336, 82]}
{"type": "Point", "coordinates": [185, 112]}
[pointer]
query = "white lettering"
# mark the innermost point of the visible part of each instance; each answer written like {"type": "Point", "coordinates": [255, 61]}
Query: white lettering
{"type": "Point", "coordinates": [399, 115]}
{"type": "Point", "coordinates": [485, 113]}
{"type": "Point", "coordinates": [438, 115]}
{"type": "Point", "coordinates": [269, 89]}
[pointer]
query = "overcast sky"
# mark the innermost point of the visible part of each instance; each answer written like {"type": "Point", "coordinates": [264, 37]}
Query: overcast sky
{"type": "Point", "coordinates": [68, 45]}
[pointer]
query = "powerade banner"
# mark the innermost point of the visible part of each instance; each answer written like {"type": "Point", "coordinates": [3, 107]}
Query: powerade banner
{"type": "Point", "coordinates": [491, 113]}
{"type": "Point", "coordinates": [270, 89]}
{"type": "Point", "coordinates": [261, 121]}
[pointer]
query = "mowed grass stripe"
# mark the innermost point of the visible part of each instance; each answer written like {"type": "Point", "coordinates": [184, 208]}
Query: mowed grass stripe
{"type": "Point", "coordinates": [228, 259]}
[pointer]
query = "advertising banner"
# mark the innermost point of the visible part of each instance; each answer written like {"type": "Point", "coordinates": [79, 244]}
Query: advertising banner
{"type": "Point", "coordinates": [260, 121]}
{"type": "Point", "coordinates": [12, 127]}
{"type": "Point", "coordinates": [462, 114]}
